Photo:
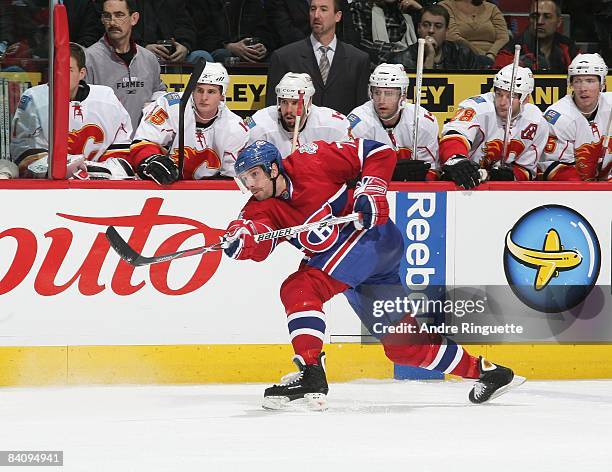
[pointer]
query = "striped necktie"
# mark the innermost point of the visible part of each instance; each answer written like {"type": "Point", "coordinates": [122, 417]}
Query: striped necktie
{"type": "Point", "coordinates": [324, 63]}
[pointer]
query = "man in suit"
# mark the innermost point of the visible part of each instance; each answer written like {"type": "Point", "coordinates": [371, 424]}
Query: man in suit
{"type": "Point", "coordinates": [340, 72]}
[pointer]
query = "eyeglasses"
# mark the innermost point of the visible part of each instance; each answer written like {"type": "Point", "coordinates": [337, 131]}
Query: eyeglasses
{"type": "Point", "coordinates": [119, 17]}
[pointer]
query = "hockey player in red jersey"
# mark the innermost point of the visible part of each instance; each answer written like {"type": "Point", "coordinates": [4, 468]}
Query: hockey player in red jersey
{"type": "Point", "coordinates": [360, 260]}
{"type": "Point", "coordinates": [474, 138]}
{"type": "Point", "coordinates": [580, 124]}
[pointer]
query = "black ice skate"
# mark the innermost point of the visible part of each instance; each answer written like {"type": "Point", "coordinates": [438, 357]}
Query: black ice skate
{"type": "Point", "coordinates": [309, 385]}
{"type": "Point", "coordinates": [494, 381]}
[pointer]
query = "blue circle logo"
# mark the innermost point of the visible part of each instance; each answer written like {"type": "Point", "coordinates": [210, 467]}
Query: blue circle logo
{"type": "Point", "coordinates": [552, 258]}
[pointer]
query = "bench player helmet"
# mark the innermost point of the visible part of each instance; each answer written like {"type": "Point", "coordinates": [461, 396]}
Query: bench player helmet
{"type": "Point", "coordinates": [389, 76]}
{"type": "Point", "coordinates": [290, 87]}
{"type": "Point", "coordinates": [588, 64]}
{"type": "Point", "coordinates": [523, 81]}
{"type": "Point", "coordinates": [214, 73]}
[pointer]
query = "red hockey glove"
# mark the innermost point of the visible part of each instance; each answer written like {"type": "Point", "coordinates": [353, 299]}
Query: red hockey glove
{"type": "Point", "coordinates": [241, 236]}
{"type": "Point", "coordinates": [371, 202]}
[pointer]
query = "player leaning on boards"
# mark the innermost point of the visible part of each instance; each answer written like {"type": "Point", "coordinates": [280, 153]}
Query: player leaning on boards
{"type": "Point", "coordinates": [474, 138]}
{"type": "Point", "coordinates": [360, 260]}
{"type": "Point", "coordinates": [213, 133]}
{"type": "Point", "coordinates": [276, 124]}
{"type": "Point", "coordinates": [388, 118]}
{"type": "Point", "coordinates": [99, 129]}
{"type": "Point", "coordinates": [580, 125]}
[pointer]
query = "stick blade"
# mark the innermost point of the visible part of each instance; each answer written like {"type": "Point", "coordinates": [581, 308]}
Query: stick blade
{"type": "Point", "coordinates": [121, 247]}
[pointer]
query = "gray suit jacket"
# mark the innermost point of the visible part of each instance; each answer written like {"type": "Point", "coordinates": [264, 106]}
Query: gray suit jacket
{"type": "Point", "coordinates": [347, 82]}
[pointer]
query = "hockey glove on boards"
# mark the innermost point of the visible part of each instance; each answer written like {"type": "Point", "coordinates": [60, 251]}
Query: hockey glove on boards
{"type": "Point", "coordinates": [501, 172]}
{"type": "Point", "coordinates": [371, 202]}
{"type": "Point", "coordinates": [462, 171]}
{"type": "Point", "coordinates": [241, 237]}
{"type": "Point", "coordinates": [159, 168]}
{"type": "Point", "coordinates": [409, 170]}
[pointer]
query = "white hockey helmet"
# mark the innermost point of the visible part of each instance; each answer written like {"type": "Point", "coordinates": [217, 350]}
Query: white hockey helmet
{"type": "Point", "coordinates": [214, 73]}
{"type": "Point", "coordinates": [523, 81]}
{"type": "Point", "coordinates": [588, 64]}
{"type": "Point", "coordinates": [290, 87]}
{"type": "Point", "coordinates": [391, 76]}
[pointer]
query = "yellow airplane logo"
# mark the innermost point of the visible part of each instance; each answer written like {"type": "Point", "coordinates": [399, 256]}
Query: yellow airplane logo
{"type": "Point", "coordinates": [549, 261]}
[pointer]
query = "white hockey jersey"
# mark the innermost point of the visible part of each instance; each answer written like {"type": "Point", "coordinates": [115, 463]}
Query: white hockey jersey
{"type": "Point", "coordinates": [323, 124]}
{"type": "Point", "coordinates": [99, 127]}
{"type": "Point", "coordinates": [576, 141]}
{"type": "Point", "coordinates": [477, 122]}
{"type": "Point", "coordinates": [366, 124]}
{"type": "Point", "coordinates": [209, 151]}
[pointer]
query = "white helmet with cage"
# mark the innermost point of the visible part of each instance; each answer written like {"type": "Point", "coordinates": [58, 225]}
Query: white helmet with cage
{"type": "Point", "coordinates": [290, 87]}
{"type": "Point", "coordinates": [215, 74]}
{"type": "Point", "coordinates": [389, 76]}
{"type": "Point", "coordinates": [523, 81]}
{"type": "Point", "coordinates": [588, 64]}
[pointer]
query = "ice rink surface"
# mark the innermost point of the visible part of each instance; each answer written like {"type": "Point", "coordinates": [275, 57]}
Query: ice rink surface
{"type": "Point", "coordinates": [370, 425]}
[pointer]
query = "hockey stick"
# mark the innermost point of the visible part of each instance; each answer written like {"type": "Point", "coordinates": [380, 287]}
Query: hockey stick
{"type": "Point", "coordinates": [198, 68]}
{"type": "Point", "coordinates": [515, 64]}
{"type": "Point", "coordinates": [129, 255]}
{"type": "Point", "coordinates": [606, 162]}
{"type": "Point", "coordinates": [298, 120]}
{"type": "Point", "coordinates": [417, 96]}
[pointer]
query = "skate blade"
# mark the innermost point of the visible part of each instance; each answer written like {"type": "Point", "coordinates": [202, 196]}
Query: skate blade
{"type": "Point", "coordinates": [516, 382]}
{"type": "Point", "coordinates": [310, 402]}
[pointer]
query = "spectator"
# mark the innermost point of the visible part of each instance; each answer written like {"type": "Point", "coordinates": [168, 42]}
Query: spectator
{"type": "Point", "coordinates": [439, 52]}
{"type": "Point", "coordinates": [289, 21]}
{"type": "Point", "coordinates": [542, 47]}
{"type": "Point", "coordinates": [276, 123]}
{"type": "Point", "coordinates": [23, 35]}
{"type": "Point", "coordinates": [232, 28]}
{"type": "Point", "coordinates": [339, 71]}
{"type": "Point", "coordinates": [166, 30]}
{"type": "Point", "coordinates": [83, 22]}
{"type": "Point", "coordinates": [382, 27]}
{"type": "Point", "coordinates": [99, 126]}
{"type": "Point", "coordinates": [117, 61]}
{"type": "Point", "coordinates": [478, 24]}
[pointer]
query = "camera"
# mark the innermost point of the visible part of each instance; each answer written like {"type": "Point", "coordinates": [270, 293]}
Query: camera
{"type": "Point", "coordinates": [169, 45]}
{"type": "Point", "coordinates": [252, 41]}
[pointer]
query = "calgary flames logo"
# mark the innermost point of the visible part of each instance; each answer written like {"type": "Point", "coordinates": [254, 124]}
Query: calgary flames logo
{"type": "Point", "coordinates": [78, 140]}
{"type": "Point", "coordinates": [587, 157]}
{"type": "Point", "coordinates": [492, 151]}
{"type": "Point", "coordinates": [194, 159]}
